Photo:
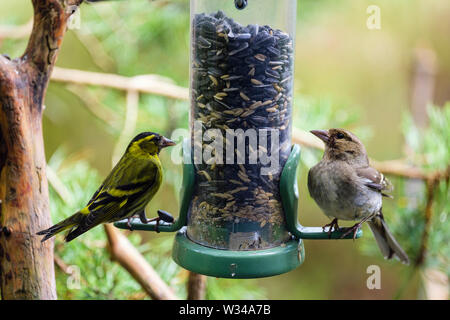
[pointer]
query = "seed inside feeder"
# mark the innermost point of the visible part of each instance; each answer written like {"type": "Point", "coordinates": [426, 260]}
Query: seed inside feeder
{"type": "Point", "coordinates": [242, 79]}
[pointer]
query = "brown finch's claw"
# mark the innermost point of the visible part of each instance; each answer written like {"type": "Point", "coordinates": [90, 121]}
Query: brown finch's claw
{"type": "Point", "coordinates": [333, 226]}
{"type": "Point", "coordinates": [353, 229]}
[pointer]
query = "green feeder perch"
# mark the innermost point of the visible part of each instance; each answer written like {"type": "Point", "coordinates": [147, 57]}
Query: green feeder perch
{"type": "Point", "coordinates": [238, 216]}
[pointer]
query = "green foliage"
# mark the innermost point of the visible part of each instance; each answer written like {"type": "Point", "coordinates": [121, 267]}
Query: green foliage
{"type": "Point", "coordinates": [439, 242]}
{"type": "Point", "coordinates": [312, 113]}
{"type": "Point", "coordinates": [430, 146]}
{"type": "Point", "coordinates": [94, 275]}
{"type": "Point", "coordinates": [429, 151]}
{"type": "Point", "coordinates": [128, 33]}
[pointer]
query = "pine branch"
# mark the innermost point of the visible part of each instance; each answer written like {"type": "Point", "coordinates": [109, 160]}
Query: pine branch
{"type": "Point", "coordinates": [152, 84]}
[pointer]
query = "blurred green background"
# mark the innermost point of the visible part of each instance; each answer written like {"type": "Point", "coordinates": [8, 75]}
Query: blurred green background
{"type": "Point", "coordinates": [345, 75]}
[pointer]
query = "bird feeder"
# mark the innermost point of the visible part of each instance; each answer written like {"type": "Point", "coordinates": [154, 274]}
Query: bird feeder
{"type": "Point", "coordinates": [238, 214]}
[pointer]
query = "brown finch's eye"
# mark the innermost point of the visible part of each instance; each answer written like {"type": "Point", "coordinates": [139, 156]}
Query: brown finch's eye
{"type": "Point", "coordinates": [340, 135]}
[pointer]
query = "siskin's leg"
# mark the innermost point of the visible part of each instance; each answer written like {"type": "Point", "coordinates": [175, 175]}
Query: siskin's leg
{"type": "Point", "coordinates": [162, 215]}
{"type": "Point", "coordinates": [144, 219]}
{"type": "Point", "coordinates": [129, 223]}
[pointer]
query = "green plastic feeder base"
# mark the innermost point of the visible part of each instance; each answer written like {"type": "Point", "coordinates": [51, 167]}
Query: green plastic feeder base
{"type": "Point", "coordinates": [236, 264]}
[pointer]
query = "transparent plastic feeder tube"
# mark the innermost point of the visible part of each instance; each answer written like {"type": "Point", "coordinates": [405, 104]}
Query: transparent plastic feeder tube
{"type": "Point", "coordinates": [242, 64]}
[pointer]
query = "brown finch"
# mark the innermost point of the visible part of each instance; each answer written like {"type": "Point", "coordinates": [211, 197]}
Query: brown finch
{"type": "Point", "coordinates": [346, 188]}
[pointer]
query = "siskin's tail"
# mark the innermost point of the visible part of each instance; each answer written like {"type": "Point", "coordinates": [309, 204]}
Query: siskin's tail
{"type": "Point", "coordinates": [388, 245]}
{"type": "Point", "coordinates": [68, 223]}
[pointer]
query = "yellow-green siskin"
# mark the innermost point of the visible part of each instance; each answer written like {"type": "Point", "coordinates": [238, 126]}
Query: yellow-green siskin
{"type": "Point", "coordinates": [126, 191]}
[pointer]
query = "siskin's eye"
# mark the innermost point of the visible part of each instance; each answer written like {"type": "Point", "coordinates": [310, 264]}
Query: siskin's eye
{"type": "Point", "coordinates": [340, 135]}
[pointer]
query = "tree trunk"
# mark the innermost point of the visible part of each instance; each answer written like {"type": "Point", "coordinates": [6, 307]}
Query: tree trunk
{"type": "Point", "coordinates": [26, 264]}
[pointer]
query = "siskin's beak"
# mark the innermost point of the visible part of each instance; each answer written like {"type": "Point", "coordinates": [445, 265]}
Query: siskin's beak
{"type": "Point", "coordinates": [322, 135]}
{"type": "Point", "coordinates": [164, 142]}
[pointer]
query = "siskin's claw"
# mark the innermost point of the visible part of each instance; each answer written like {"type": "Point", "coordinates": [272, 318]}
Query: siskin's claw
{"type": "Point", "coordinates": [129, 224]}
{"type": "Point", "coordinates": [165, 216]}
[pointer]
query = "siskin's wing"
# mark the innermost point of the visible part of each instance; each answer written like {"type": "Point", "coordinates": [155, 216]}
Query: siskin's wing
{"type": "Point", "coordinates": [375, 180]}
{"type": "Point", "coordinates": [94, 218]}
{"type": "Point", "coordinates": [130, 175]}
{"type": "Point", "coordinates": [129, 187]}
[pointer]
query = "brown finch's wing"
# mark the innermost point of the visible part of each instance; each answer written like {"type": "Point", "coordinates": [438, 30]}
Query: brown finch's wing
{"type": "Point", "coordinates": [375, 180]}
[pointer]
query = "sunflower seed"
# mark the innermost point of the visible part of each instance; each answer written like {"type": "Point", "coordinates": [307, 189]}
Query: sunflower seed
{"type": "Point", "coordinates": [256, 81]}
{"type": "Point", "coordinates": [244, 96]}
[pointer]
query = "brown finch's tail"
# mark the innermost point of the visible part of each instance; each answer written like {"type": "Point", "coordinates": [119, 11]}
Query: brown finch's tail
{"type": "Point", "coordinates": [388, 245]}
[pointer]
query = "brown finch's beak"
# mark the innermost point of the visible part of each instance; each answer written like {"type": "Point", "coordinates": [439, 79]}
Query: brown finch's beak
{"type": "Point", "coordinates": [164, 142]}
{"type": "Point", "coordinates": [322, 135]}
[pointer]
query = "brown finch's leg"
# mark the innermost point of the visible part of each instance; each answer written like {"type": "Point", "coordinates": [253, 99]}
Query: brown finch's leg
{"type": "Point", "coordinates": [355, 228]}
{"type": "Point", "coordinates": [333, 225]}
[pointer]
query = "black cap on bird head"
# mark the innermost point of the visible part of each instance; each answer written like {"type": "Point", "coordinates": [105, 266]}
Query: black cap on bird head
{"type": "Point", "coordinates": [341, 144]}
{"type": "Point", "coordinates": [151, 142]}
